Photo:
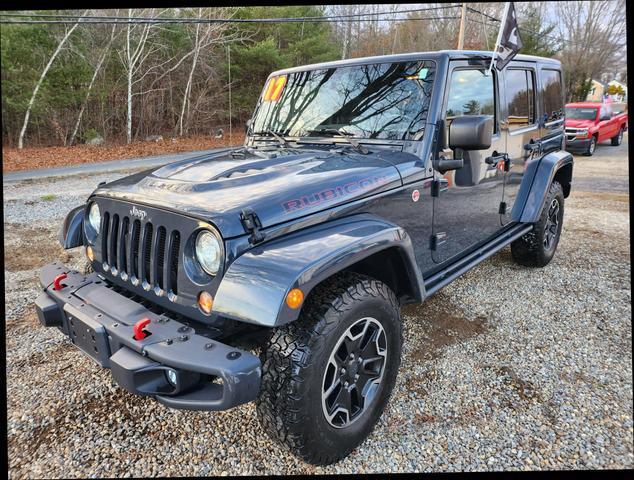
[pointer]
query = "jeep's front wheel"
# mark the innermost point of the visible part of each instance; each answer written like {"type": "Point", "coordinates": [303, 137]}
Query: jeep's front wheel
{"type": "Point", "coordinates": [327, 377]}
{"type": "Point", "coordinates": [537, 247]}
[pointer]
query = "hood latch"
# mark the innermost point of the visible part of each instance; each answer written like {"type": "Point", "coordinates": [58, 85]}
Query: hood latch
{"type": "Point", "coordinates": [252, 224]}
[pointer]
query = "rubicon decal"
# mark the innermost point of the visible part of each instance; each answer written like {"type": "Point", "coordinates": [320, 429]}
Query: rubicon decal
{"type": "Point", "coordinates": [330, 194]}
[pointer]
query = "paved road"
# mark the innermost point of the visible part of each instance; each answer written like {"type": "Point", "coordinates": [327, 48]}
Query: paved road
{"type": "Point", "coordinates": [112, 166]}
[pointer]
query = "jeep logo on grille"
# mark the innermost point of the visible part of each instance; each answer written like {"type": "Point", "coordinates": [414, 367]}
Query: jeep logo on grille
{"type": "Point", "coordinates": [135, 212]}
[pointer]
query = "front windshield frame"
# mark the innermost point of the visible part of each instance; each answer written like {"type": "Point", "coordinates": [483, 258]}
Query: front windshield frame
{"type": "Point", "coordinates": [419, 101]}
{"type": "Point", "coordinates": [578, 116]}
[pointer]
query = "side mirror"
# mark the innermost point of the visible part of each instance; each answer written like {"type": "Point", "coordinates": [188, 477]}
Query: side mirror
{"type": "Point", "coordinates": [603, 118]}
{"type": "Point", "coordinates": [247, 125]}
{"type": "Point", "coordinates": [471, 132]}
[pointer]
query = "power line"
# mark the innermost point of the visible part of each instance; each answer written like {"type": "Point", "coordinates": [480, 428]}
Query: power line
{"type": "Point", "coordinates": [114, 17]}
{"type": "Point", "coordinates": [138, 22]}
{"type": "Point", "coordinates": [157, 20]}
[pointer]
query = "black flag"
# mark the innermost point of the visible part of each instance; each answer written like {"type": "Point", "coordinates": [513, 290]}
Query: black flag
{"type": "Point", "coordinates": [509, 41]}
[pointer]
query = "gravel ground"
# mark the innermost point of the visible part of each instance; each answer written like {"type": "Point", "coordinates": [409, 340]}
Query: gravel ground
{"type": "Point", "coordinates": [506, 368]}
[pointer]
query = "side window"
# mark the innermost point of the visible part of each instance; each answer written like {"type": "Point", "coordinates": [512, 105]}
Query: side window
{"type": "Point", "coordinates": [552, 95]}
{"type": "Point", "coordinates": [520, 93]}
{"type": "Point", "coordinates": [606, 111]}
{"type": "Point", "coordinates": [471, 93]}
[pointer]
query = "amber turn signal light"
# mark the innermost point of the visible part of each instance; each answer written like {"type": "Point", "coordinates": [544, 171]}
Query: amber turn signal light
{"type": "Point", "coordinates": [295, 298]}
{"type": "Point", "coordinates": [205, 302]}
{"type": "Point", "coordinates": [90, 254]}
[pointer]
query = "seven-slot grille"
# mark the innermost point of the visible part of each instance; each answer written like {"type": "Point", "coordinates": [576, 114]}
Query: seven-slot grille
{"type": "Point", "coordinates": [140, 252]}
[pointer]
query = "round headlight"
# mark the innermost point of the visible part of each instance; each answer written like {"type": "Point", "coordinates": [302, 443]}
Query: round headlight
{"type": "Point", "coordinates": [94, 217]}
{"type": "Point", "coordinates": [208, 252]}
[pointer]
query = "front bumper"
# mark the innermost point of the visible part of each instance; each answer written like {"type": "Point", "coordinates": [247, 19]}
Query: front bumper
{"type": "Point", "coordinates": [578, 144]}
{"type": "Point", "coordinates": [99, 321]}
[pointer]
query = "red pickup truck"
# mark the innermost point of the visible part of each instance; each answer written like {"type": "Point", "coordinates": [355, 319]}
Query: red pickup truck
{"type": "Point", "coordinates": [588, 123]}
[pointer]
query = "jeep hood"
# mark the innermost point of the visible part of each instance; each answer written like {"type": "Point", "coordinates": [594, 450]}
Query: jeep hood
{"type": "Point", "coordinates": [279, 185]}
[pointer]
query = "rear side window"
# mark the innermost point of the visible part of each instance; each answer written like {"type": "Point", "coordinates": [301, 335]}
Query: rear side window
{"type": "Point", "coordinates": [520, 92]}
{"type": "Point", "coordinates": [552, 95]}
{"type": "Point", "coordinates": [470, 93]}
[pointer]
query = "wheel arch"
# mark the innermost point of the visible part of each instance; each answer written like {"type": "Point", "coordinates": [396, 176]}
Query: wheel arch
{"type": "Point", "coordinates": [361, 243]}
{"type": "Point", "coordinates": [72, 233]}
{"type": "Point", "coordinates": [539, 174]}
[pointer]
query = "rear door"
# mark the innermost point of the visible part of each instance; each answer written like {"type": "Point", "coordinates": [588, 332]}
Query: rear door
{"type": "Point", "coordinates": [552, 108]}
{"type": "Point", "coordinates": [466, 209]}
{"type": "Point", "coordinates": [521, 125]}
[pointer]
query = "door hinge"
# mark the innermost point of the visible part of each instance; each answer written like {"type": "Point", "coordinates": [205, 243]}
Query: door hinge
{"type": "Point", "coordinates": [502, 208]}
{"type": "Point", "coordinates": [252, 224]}
{"type": "Point", "coordinates": [437, 239]}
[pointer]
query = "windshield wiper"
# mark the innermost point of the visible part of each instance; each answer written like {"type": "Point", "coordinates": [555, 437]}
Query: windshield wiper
{"type": "Point", "coordinates": [282, 141]}
{"type": "Point", "coordinates": [343, 133]}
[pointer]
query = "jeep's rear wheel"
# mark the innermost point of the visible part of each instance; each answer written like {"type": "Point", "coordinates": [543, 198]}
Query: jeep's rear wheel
{"type": "Point", "coordinates": [537, 247]}
{"type": "Point", "coordinates": [327, 377]}
{"type": "Point", "coordinates": [616, 140]}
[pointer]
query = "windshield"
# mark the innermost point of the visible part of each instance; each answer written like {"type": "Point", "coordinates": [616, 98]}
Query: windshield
{"type": "Point", "coordinates": [581, 113]}
{"type": "Point", "coordinates": [382, 101]}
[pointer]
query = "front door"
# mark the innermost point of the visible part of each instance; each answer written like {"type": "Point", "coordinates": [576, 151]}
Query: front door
{"type": "Point", "coordinates": [466, 209]}
{"type": "Point", "coordinates": [522, 126]}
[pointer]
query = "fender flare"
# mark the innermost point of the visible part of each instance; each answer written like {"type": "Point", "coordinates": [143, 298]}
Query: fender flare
{"type": "Point", "coordinates": [254, 288]}
{"type": "Point", "coordinates": [538, 176]}
{"type": "Point", "coordinates": [72, 233]}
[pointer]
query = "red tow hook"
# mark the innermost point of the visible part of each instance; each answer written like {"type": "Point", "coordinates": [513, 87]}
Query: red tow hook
{"type": "Point", "coordinates": [139, 333]}
{"type": "Point", "coordinates": [57, 283]}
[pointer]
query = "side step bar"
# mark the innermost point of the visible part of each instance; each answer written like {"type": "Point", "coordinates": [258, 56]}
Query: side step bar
{"type": "Point", "coordinates": [447, 275]}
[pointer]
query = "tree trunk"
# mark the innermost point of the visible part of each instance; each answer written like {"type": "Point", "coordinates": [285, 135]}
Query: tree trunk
{"type": "Point", "coordinates": [92, 82]}
{"type": "Point", "coordinates": [129, 90]}
{"type": "Point", "coordinates": [39, 84]}
{"type": "Point", "coordinates": [190, 78]}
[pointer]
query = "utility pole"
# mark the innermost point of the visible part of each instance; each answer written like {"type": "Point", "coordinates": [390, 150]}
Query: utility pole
{"type": "Point", "coordinates": [463, 16]}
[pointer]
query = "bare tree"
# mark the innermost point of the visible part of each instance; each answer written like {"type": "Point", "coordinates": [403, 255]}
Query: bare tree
{"type": "Point", "coordinates": [41, 79]}
{"type": "Point", "coordinates": [134, 55]}
{"type": "Point", "coordinates": [595, 36]}
{"type": "Point", "coordinates": [100, 62]}
{"type": "Point", "coordinates": [204, 36]}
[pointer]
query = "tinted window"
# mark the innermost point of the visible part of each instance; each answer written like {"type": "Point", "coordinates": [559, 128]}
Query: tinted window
{"type": "Point", "coordinates": [470, 93]}
{"type": "Point", "coordinates": [552, 95]}
{"type": "Point", "coordinates": [385, 100]}
{"type": "Point", "coordinates": [602, 113]}
{"type": "Point", "coordinates": [520, 92]}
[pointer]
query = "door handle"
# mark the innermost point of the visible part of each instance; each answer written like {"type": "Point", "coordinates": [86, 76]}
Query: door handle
{"type": "Point", "coordinates": [495, 158]}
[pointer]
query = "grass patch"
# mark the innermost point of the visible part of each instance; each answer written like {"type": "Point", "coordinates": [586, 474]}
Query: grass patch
{"type": "Point", "coordinates": [48, 197]}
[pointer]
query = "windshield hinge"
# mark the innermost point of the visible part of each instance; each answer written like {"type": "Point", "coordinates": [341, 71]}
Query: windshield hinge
{"type": "Point", "coordinates": [252, 224]}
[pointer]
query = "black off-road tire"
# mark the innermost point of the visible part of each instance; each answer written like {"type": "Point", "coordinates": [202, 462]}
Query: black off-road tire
{"type": "Point", "coordinates": [294, 364]}
{"type": "Point", "coordinates": [616, 140]}
{"type": "Point", "coordinates": [592, 146]}
{"type": "Point", "coordinates": [530, 250]}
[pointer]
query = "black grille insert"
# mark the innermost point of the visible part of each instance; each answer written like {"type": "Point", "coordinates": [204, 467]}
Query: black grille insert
{"type": "Point", "coordinates": [147, 253]}
{"type": "Point", "coordinates": [160, 257]}
{"type": "Point", "coordinates": [143, 253]}
{"type": "Point", "coordinates": [175, 248]}
{"type": "Point", "coordinates": [134, 248]}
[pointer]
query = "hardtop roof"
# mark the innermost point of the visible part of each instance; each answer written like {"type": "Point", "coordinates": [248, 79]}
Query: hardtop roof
{"type": "Point", "coordinates": [403, 57]}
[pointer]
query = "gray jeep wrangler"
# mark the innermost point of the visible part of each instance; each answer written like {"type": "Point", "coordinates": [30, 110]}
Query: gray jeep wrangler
{"type": "Point", "coordinates": [362, 185]}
